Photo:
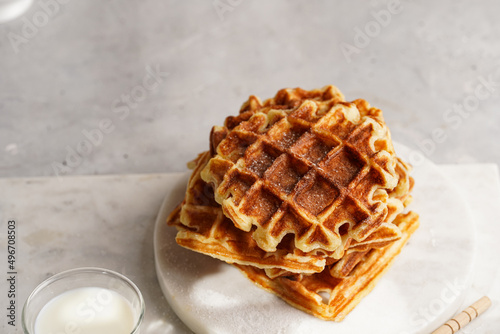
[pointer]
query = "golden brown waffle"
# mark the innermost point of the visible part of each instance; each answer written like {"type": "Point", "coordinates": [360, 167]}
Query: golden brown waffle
{"type": "Point", "coordinates": [203, 228]}
{"type": "Point", "coordinates": [304, 291]}
{"type": "Point", "coordinates": [307, 164]}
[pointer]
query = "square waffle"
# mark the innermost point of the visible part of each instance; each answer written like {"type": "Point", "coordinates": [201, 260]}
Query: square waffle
{"type": "Point", "coordinates": [204, 228]}
{"type": "Point", "coordinates": [305, 163]}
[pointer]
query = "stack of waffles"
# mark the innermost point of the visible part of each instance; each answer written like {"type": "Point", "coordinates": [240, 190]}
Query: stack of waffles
{"type": "Point", "coordinates": [305, 195]}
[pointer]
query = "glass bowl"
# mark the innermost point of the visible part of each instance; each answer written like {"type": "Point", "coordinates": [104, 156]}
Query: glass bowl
{"type": "Point", "coordinates": [66, 281]}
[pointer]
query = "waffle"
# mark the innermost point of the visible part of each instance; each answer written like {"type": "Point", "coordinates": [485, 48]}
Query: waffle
{"type": "Point", "coordinates": [203, 228]}
{"type": "Point", "coordinates": [307, 164]}
{"type": "Point", "coordinates": [305, 291]}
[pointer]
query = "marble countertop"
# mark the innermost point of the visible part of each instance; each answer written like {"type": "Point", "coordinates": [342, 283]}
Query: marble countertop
{"type": "Point", "coordinates": [117, 87]}
{"type": "Point", "coordinates": [108, 221]}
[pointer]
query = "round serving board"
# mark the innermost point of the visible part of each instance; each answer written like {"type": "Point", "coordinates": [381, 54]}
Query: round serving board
{"type": "Point", "coordinates": [422, 289]}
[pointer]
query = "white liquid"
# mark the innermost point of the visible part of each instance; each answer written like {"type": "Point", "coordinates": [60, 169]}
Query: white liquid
{"type": "Point", "coordinates": [86, 311]}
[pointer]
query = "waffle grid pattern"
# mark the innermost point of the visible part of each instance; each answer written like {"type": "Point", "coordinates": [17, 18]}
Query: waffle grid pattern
{"type": "Point", "coordinates": [305, 171]}
{"type": "Point", "coordinates": [203, 227]}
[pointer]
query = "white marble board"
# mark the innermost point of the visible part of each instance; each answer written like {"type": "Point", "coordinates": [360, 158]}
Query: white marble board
{"type": "Point", "coordinates": [108, 221]}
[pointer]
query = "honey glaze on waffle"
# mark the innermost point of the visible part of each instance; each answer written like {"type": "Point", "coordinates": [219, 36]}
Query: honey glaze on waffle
{"type": "Point", "coordinates": [305, 163]}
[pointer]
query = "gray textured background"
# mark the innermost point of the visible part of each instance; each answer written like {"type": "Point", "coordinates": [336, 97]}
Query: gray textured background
{"type": "Point", "coordinates": [72, 71]}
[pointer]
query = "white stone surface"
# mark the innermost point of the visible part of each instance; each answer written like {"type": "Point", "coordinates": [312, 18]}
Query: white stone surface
{"type": "Point", "coordinates": [108, 221]}
{"type": "Point", "coordinates": [85, 221]}
{"type": "Point", "coordinates": [78, 58]}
